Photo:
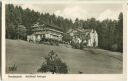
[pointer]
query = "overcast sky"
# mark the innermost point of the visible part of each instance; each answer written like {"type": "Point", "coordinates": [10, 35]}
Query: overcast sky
{"type": "Point", "coordinates": [79, 10]}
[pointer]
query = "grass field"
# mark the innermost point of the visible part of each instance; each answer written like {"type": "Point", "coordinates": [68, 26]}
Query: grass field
{"type": "Point", "coordinates": [28, 58]}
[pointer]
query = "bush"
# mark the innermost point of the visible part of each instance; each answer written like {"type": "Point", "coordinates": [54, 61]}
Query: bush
{"type": "Point", "coordinates": [81, 46]}
{"type": "Point", "coordinates": [53, 64]}
{"type": "Point", "coordinates": [13, 68]}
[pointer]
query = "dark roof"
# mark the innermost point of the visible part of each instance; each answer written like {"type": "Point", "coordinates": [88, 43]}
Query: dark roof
{"type": "Point", "coordinates": [54, 27]}
{"type": "Point", "coordinates": [49, 25]}
{"type": "Point", "coordinates": [80, 30]}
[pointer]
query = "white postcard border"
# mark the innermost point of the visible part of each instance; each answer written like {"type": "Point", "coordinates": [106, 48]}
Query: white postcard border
{"type": "Point", "coordinates": [67, 77]}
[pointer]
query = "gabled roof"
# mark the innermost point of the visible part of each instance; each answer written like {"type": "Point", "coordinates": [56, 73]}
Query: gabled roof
{"type": "Point", "coordinates": [47, 25]}
{"type": "Point", "coordinates": [79, 30]}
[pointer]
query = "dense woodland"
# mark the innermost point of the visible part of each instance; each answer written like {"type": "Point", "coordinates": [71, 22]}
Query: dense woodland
{"type": "Point", "coordinates": [19, 22]}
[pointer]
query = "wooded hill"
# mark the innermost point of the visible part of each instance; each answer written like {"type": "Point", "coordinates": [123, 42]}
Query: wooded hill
{"type": "Point", "coordinates": [110, 32]}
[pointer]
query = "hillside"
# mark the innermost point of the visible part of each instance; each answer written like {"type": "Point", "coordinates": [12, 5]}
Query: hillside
{"type": "Point", "coordinates": [28, 58]}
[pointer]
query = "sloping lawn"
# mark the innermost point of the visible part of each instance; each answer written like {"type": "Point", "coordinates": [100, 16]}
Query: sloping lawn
{"type": "Point", "coordinates": [28, 58]}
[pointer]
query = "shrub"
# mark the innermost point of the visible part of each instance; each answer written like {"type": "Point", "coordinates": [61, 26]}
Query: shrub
{"type": "Point", "coordinates": [13, 68]}
{"type": "Point", "coordinates": [81, 46]}
{"type": "Point", "coordinates": [53, 64]}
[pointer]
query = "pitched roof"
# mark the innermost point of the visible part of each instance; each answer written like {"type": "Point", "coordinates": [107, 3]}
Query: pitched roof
{"type": "Point", "coordinates": [48, 25]}
{"type": "Point", "coordinates": [80, 30]}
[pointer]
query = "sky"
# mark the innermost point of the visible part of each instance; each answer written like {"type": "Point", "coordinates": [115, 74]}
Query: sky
{"type": "Point", "coordinates": [79, 10]}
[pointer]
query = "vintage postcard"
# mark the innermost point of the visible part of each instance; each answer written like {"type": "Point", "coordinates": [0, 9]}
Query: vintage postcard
{"type": "Point", "coordinates": [74, 40]}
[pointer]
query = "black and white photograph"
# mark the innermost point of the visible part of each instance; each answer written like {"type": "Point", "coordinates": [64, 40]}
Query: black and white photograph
{"type": "Point", "coordinates": [75, 38]}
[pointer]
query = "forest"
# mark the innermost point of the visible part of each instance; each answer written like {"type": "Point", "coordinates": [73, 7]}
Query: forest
{"type": "Point", "coordinates": [19, 23]}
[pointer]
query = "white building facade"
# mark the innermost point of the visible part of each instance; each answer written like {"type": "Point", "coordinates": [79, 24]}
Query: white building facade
{"type": "Point", "coordinates": [46, 32]}
{"type": "Point", "coordinates": [93, 41]}
{"type": "Point", "coordinates": [88, 37]}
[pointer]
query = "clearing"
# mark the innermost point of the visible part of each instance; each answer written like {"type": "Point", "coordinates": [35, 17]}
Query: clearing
{"type": "Point", "coordinates": [28, 58]}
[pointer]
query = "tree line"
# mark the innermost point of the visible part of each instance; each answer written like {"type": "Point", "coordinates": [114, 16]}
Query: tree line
{"type": "Point", "coordinates": [19, 23]}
